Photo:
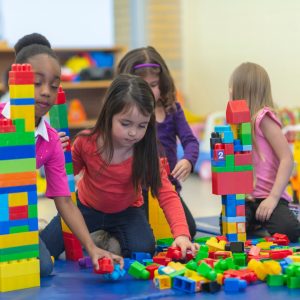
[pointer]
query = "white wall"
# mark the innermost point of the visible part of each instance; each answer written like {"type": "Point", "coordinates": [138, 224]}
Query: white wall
{"type": "Point", "coordinates": [218, 35]}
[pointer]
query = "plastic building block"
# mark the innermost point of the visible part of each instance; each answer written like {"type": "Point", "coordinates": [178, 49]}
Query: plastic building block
{"type": "Point", "coordinates": [85, 262]}
{"type": "Point", "coordinates": [234, 285]}
{"type": "Point", "coordinates": [105, 266]}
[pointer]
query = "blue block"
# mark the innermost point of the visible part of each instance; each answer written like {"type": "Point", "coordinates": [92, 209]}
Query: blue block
{"type": "Point", "coordinates": [232, 237]}
{"type": "Point", "coordinates": [18, 189]}
{"type": "Point", "coordinates": [218, 163]}
{"type": "Point", "coordinates": [68, 156]}
{"type": "Point", "coordinates": [4, 227]}
{"type": "Point", "coordinates": [15, 152]}
{"type": "Point", "coordinates": [234, 219]}
{"type": "Point", "coordinates": [4, 213]}
{"type": "Point", "coordinates": [32, 197]}
{"type": "Point", "coordinates": [184, 284]}
{"type": "Point", "coordinates": [71, 183]}
{"type": "Point", "coordinates": [228, 137]}
{"type": "Point", "coordinates": [33, 224]}
{"type": "Point", "coordinates": [140, 256]}
{"type": "Point", "coordinates": [22, 101]}
{"type": "Point", "coordinates": [247, 148]}
{"type": "Point", "coordinates": [222, 128]}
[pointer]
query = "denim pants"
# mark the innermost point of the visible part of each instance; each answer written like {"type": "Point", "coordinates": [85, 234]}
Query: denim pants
{"type": "Point", "coordinates": [130, 227]}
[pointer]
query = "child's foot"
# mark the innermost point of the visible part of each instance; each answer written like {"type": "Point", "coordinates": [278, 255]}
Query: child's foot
{"type": "Point", "coordinates": [104, 240]}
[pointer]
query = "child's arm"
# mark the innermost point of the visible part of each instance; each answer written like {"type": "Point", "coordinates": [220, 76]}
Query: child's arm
{"type": "Point", "coordinates": [73, 218]}
{"type": "Point", "coordinates": [190, 146]}
{"type": "Point", "coordinates": [173, 210]}
{"type": "Point", "coordinates": [280, 146]}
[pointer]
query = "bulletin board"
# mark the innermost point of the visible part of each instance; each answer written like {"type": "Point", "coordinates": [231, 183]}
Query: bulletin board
{"type": "Point", "coordinates": [66, 23]}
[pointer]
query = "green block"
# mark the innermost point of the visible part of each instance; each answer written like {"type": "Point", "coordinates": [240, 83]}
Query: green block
{"type": "Point", "coordinates": [202, 240]}
{"type": "Point", "coordinates": [17, 139]}
{"type": "Point", "coordinates": [240, 196]}
{"type": "Point", "coordinates": [58, 116]}
{"type": "Point", "coordinates": [9, 257]}
{"type": "Point", "coordinates": [229, 159]}
{"type": "Point", "coordinates": [17, 165]}
{"type": "Point", "coordinates": [245, 128]}
{"type": "Point", "coordinates": [32, 211]}
{"type": "Point", "coordinates": [16, 229]}
{"type": "Point", "coordinates": [138, 271]}
{"type": "Point", "coordinates": [275, 280]}
{"type": "Point", "coordinates": [19, 249]}
{"type": "Point", "coordinates": [223, 169]}
{"type": "Point", "coordinates": [20, 125]}
{"type": "Point", "coordinates": [243, 168]}
{"type": "Point", "coordinates": [69, 168]}
{"type": "Point", "coordinates": [246, 139]}
{"type": "Point", "coordinates": [166, 241]}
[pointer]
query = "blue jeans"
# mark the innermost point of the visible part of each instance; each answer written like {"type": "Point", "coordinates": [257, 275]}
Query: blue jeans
{"type": "Point", "coordinates": [46, 264]}
{"type": "Point", "coordinates": [130, 227]}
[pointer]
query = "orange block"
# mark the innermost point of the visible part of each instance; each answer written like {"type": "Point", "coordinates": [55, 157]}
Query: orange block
{"type": "Point", "coordinates": [17, 179]}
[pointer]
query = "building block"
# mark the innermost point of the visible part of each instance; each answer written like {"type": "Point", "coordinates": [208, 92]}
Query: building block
{"type": "Point", "coordinates": [237, 112]}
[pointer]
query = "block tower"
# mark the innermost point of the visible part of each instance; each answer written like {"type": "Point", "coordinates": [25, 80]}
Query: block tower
{"type": "Point", "coordinates": [59, 121]}
{"type": "Point", "coordinates": [19, 240]}
{"type": "Point", "coordinates": [232, 170]}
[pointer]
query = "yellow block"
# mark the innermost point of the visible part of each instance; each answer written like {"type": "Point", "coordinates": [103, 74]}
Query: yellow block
{"type": "Point", "coordinates": [242, 237]}
{"type": "Point", "coordinates": [22, 91]}
{"type": "Point", "coordinates": [74, 198]}
{"type": "Point", "coordinates": [64, 226]}
{"type": "Point", "coordinates": [272, 267]}
{"type": "Point", "coordinates": [234, 129]}
{"type": "Point", "coordinates": [19, 239]}
{"type": "Point", "coordinates": [295, 258]}
{"type": "Point", "coordinates": [19, 111]}
{"type": "Point", "coordinates": [231, 228]}
{"type": "Point", "coordinates": [157, 219]}
{"type": "Point", "coordinates": [18, 199]}
{"type": "Point", "coordinates": [19, 274]}
{"type": "Point", "coordinates": [163, 282]}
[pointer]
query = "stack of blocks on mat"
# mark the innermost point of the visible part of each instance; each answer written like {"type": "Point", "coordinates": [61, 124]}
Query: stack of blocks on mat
{"type": "Point", "coordinates": [19, 245]}
{"type": "Point", "coordinates": [232, 171]}
{"type": "Point", "coordinates": [218, 264]}
{"type": "Point", "coordinates": [59, 121]}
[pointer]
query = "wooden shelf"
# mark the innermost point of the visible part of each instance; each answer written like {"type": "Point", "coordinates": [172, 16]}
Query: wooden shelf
{"type": "Point", "coordinates": [95, 84]}
{"type": "Point", "coordinates": [82, 125]}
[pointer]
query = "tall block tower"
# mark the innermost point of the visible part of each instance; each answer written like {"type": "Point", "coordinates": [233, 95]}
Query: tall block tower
{"type": "Point", "coordinates": [232, 170]}
{"type": "Point", "coordinates": [19, 240]}
{"type": "Point", "coordinates": [59, 121]}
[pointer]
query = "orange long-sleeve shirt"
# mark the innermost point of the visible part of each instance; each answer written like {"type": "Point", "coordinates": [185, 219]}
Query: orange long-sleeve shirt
{"type": "Point", "coordinates": [110, 189]}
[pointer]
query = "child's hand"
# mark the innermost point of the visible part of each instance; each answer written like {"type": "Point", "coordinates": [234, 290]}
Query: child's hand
{"type": "Point", "coordinates": [182, 170]}
{"type": "Point", "coordinates": [184, 243]}
{"type": "Point", "coordinates": [97, 253]}
{"type": "Point", "coordinates": [64, 139]}
{"type": "Point", "coordinates": [265, 209]}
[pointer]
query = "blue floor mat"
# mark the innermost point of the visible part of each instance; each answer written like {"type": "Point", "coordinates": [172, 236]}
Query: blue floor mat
{"type": "Point", "coordinates": [70, 282]}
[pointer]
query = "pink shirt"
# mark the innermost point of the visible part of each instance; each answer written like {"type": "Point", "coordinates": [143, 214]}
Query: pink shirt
{"type": "Point", "coordinates": [50, 155]}
{"type": "Point", "coordinates": [265, 161]}
{"type": "Point", "coordinates": [110, 189]}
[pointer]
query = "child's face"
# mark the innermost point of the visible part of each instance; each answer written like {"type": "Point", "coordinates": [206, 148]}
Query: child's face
{"type": "Point", "coordinates": [128, 127]}
{"type": "Point", "coordinates": [46, 83]}
{"type": "Point", "coordinates": [153, 81]}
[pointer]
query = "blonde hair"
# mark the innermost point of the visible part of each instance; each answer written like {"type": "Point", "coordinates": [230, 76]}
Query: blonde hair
{"type": "Point", "coordinates": [251, 82]}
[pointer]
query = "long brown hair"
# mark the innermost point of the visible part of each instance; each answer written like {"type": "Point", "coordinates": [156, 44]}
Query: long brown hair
{"type": "Point", "coordinates": [126, 91]}
{"type": "Point", "coordinates": [148, 55]}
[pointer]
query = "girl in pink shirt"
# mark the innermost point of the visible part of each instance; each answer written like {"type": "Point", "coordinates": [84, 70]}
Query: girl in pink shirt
{"type": "Point", "coordinates": [35, 49]}
{"type": "Point", "coordinates": [272, 158]}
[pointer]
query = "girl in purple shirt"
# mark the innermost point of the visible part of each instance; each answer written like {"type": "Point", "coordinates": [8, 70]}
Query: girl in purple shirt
{"type": "Point", "coordinates": [35, 49]}
{"type": "Point", "coordinates": [170, 119]}
{"type": "Point", "coordinates": [272, 158]}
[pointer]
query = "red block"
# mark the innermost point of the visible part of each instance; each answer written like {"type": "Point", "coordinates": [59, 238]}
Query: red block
{"type": "Point", "coordinates": [105, 266]}
{"type": "Point", "coordinates": [229, 149]}
{"type": "Point", "coordinates": [240, 210]}
{"type": "Point", "coordinates": [21, 74]}
{"type": "Point", "coordinates": [174, 253]}
{"type": "Point", "coordinates": [61, 97]}
{"type": "Point", "coordinates": [232, 183]}
{"type": "Point", "coordinates": [18, 212]}
{"type": "Point", "coordinates": [243, 158]}
{"type": "Point", "coordinates": [73, 247]}
{"type": "Point", "coordinates": [151, 269]}
{"type": "Point", "coordinates": [237, 112]}
{"type": "Point", "coordinates": [6, 125]}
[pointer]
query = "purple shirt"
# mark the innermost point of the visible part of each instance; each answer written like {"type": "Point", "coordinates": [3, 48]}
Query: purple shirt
{"type": "Point", "coordinates": [173, 126]}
